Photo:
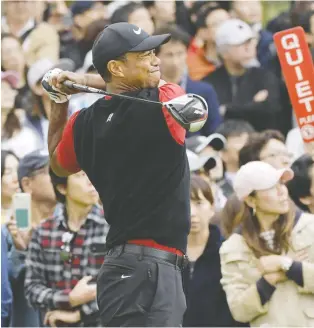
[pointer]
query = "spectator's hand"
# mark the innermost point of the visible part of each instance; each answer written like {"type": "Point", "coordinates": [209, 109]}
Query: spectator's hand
{"type": "Point", "coordinates": [270, 263]}
{"type": "Point", "coordinates": [20, 238]}
{"type": "Point", "coordinates": [275, 277]}
{"type": "Point", "coordinates": [261, 96]}
{"type": "Point", "coordinates": [83, 292]}
{"type": "Point", "coordinates": [52, 317]}
{"type": "Point", "coordinates": [57, 81]}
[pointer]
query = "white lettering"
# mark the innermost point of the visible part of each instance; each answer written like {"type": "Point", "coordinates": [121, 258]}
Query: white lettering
{"type": "Point", "coordinates": [306, 119]}
{"type": "Point", "coordinates": [303, 89]}
{"type": "Point", "coordinates": [294, 57]}
{"type": "Point", "coordinates": [109, 117]}
{"type": "Point", "coordinates": [307, 101]}
{"type": "Point", "coordinates": [294, 62]}
{"type": "Point", "coordinates": [298, 73]}
{"type": "Point", "coordinates": [290, 41]}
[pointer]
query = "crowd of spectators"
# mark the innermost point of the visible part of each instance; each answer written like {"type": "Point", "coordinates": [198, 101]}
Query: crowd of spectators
{"type": "Point", "coordinates": [251, 243]}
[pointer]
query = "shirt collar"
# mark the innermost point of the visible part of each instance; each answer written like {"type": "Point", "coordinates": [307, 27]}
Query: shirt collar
{"type": "Point", "coordinates": [96, 215]}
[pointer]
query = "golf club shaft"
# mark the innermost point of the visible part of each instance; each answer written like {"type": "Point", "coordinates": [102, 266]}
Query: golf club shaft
{"type": "Point", "coordinates": [87, 89]}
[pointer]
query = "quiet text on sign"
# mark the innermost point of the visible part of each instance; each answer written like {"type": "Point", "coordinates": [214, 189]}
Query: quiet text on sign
{"type": "Point", "coordinates": [297, 67]}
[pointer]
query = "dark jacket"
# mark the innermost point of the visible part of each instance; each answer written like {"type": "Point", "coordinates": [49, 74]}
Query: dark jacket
{"type": "Point", "coordinates": [237, 94]}
{"type": "Point", "coordinates": [6, 292]}
{"type": "Point", "coordinates": [206, 91]}
{"type": "Point", "coordinates": [265, 48]}
{"type": "Point", "coordinates": [206, 300]}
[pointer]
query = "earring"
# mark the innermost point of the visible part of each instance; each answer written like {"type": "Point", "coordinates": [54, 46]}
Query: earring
{"type": "Point", "coordinates": [254, 211]}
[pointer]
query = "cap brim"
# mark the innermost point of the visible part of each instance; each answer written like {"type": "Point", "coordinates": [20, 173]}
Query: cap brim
{"type": "Point", "coordinates": [286, 175]}
{"type": "Point", "coordinates": [215, 140]}
{"type": "Point", "coordinates": [242, 40]}
{"type": "Point", "coordinates": [282, 175]}
{"type": "Point", "coordinates": [152, 42]}
{"type": "Point", "coordinates": [197, 162]}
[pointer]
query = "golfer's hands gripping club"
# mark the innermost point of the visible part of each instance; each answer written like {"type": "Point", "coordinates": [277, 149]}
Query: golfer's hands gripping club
{"type": "Point", "coordinates": [49, 83]}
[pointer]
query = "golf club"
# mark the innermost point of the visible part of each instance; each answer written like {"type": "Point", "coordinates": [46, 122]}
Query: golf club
{"type": "Point", "coordinates": [87, 89]}
{"type": "Point", "coordinates": [190, 107]}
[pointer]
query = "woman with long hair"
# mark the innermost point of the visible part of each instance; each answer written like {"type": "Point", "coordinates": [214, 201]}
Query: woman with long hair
{"type": "Point", "coordinates": [268, 265]}
{"type": "Point", "coordinates": [206, 301]}
{"type": "Point", "coordinates": [229, 217]}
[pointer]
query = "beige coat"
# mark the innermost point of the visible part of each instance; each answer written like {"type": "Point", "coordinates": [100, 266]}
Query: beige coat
{"type": "Point", "coordinates": [290, 305]}
{"type": "Point", "coordinates": [42, 43]}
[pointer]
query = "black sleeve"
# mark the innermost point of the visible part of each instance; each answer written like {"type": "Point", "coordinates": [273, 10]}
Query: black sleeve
{"type": "Point", "coordinates": [295, 273]}
{"type": "Point", "coordinates": [265, 290]}
{"type": "Point", "coordinates": [89, 320]}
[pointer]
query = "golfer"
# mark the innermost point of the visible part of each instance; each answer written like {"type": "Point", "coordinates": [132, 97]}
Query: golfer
{"type": "Point", "coordinates": [134, 154]}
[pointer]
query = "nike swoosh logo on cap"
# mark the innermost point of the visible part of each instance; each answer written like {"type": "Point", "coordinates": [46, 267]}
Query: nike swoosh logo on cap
{"type": "Point", "coordinates": [138, 31]}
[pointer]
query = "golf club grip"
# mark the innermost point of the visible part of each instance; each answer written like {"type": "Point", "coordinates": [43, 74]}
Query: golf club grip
{"type": "Point", "coordinates": [83, 88]}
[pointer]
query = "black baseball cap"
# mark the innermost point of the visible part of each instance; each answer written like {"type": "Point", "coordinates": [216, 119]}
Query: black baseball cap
{"type": "Point", "coordinates": [32, 162]}
{"type": "Point", "coordinates": [79, 7]}
{"type": "Point", "coordinates": [119, 38]}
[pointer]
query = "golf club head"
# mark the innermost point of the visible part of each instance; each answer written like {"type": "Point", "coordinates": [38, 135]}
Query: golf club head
{"type": "Point", "coordinates": [189, 110]}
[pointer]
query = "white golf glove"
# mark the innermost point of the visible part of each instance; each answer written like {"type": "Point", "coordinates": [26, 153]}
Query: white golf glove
{"type": "Point", "coordinates": [54, 93]}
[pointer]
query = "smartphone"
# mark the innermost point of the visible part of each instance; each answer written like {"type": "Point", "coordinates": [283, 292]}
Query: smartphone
{"type": "Point", "coordinates": [22, 210]}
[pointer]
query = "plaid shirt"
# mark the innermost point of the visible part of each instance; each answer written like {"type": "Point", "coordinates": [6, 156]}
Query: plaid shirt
{"type": "Point", "coordinates": [49, 278]}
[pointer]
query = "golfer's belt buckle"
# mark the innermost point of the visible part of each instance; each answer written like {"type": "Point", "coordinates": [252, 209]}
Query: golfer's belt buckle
{"type": "Point", "coordinates": [182, 261]}
{"type": "Point", "coordinates": [185, 261]}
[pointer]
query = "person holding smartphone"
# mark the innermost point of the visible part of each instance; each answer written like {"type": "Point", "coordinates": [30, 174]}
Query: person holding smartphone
{"type": "Point", "coordinates": [36, 202]}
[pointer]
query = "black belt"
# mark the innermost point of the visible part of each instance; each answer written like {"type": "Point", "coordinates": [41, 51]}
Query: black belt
{"type": "Point", "coordinates": [178, 260]}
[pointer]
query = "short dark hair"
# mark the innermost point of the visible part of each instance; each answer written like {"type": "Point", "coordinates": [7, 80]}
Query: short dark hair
{"type": "Point", "coordinates": [257, 141]}
{"type": "Point", "coordinates": [123, 13]}
{"type": "Point", "coordinates": [57, 181]}
{"type": "Point", "coordinates": [149, 4]}
{"type": "Point", "coordinates": [92, 32]}
{"type": "Point", "coordinates": [202, 16]}
{"type": "Point", "coordinates": [300, 185]}
{"type": "Point", "coordinates": [177, 34]}
{"type": "Point", "coordinates": [234, 128]}
{"type": "Point", "coordinates": [106, 75]}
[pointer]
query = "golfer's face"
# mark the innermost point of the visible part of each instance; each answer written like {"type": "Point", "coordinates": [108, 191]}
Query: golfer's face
{"type": "Point", "coordinates": [141, 69]}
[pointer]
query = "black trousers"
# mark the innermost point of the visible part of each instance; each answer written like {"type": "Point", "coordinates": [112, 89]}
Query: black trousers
{"type": "Point", "coordinates": [135, 289]}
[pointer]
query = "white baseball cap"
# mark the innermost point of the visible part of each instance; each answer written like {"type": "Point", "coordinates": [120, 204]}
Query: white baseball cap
{"type": "Point", "coordinates": [198, 143]}
{"type": "Point", "coordinates": [258, 175]}
{"type": "Point", "coordinates": [233, 32]}
{"type": "Point", "coordinates": [197, 162]}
